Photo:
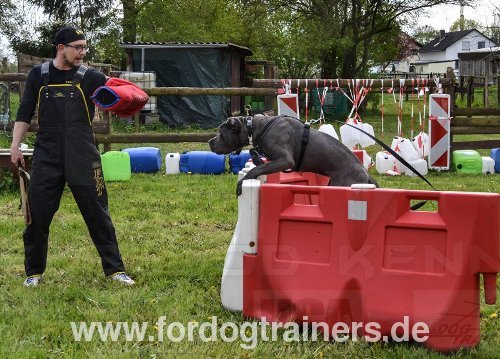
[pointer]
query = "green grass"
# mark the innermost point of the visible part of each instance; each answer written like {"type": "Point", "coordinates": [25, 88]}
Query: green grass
{"type": "Point", "coordinates": [173, 232]}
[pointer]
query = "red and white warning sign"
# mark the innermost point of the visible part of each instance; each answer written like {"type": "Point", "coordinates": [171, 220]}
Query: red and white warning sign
{"type": "Point", "coordinates": [288, 104]}
{"type": "Point", "coordinates": [439, 131]}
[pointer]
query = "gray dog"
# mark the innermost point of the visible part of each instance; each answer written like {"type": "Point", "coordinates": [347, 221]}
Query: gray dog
{"type": "Point", "coordinates": [281, 140]}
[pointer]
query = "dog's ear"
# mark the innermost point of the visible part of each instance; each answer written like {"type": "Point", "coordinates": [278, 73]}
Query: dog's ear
{"type": "Point", "coordinates": [234, 124]}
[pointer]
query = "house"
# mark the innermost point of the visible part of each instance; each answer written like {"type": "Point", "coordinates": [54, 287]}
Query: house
{"type": "Point", "coordinates": [442, 52]}
{"type": "Point", "coordinates": [408, 53]}
{"type": "Point", "coordinates": [482, 62]}
{"type": "Point", "coordinates": [207, 65]}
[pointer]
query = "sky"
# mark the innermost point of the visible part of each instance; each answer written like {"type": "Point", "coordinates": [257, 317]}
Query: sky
{"type": "Point", "coordinates": [443, 16]}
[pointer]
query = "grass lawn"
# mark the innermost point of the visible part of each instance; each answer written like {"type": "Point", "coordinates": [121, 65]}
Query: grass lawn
{"type": "Point", "coordinates": [173, 232]}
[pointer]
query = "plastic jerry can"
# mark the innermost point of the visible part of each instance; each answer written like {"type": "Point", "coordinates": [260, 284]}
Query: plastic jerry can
{"type": "Point", "coordinates": [488, 165]}
{"type": "Point", "coordinates": [172, 163]}
{"type": "Point", "coordinates": [407, 151]}
{"type": "Point", "coordinates": [422, 144]}
{"type": "Point", "coordinates": [363, 157]}
{"type": "Point", "coordinates": [144, 159]}
{"type": "Point", "coordinates": [420, 165]}
{"type": "Point", "coordinates": [495, 154]}
{"type": "Point", "coordinates": [384, 162]}
{"type": "Point", "coordinates": [116, 166]}
{"type": "Point", "coordinates": [467, 161]}
{"type": "Point", "coordinates": [329, 130]}
{"type": "Point", "coordinates": [202, 162]}
{"type": "Point", "coordinates": [237, 162]}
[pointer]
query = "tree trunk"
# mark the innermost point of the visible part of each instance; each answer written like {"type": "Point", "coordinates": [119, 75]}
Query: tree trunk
{"type": "Point", "coordinates": [129, 25]}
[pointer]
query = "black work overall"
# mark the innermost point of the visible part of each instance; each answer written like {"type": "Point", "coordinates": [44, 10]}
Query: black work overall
{"type": "Point", "coordinates": [65, 152]}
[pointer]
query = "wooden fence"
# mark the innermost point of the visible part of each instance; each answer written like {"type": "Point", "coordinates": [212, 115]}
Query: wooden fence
{"type": "Point", "coordinates": [465, 120]}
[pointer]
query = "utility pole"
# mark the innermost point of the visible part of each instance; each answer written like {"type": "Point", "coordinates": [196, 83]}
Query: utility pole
{"type": "Point", "coordinates": [462, 20]}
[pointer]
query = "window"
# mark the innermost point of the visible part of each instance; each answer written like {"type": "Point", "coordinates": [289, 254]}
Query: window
{"type": "Point", "coordinates": [480, 45]}
{"type": "Point", "coordinates": [456, 64]}
{"type": "Point", "coordinates": [466, 45]}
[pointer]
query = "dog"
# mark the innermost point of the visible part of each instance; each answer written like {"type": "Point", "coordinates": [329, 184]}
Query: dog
{"type": "Point", "coordinates": [280, 139]}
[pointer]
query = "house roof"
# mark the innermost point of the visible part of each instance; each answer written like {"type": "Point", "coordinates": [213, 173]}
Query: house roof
{"type": "Point", "coordinates": [186, 45]}
{"type": "Point", "coordinates": [441, 44]}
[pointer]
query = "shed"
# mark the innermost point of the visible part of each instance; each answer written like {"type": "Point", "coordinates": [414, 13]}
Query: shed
{"type": "Point", "coordinates": [482, 62]}
{"type": "Point", "coordinates": [210, 65]}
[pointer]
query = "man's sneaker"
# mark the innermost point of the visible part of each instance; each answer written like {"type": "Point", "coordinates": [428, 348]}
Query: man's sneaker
{"type": "Point", "coordinates": [122, 277]}
{"type": "Point", "coordinates": [33, 280]}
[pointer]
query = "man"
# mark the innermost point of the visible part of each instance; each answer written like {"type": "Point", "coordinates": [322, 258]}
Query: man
{"type": "Point", "coordinates": [65, 152]}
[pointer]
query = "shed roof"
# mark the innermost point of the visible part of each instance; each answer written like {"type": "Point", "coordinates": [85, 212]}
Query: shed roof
{"type": "Point", "coordinates": [485, 53]}
{"type": "Point", "coordinates": [186, 45]}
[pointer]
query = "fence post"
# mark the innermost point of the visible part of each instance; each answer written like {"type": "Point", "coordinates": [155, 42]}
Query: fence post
{"type": "Point", "coordinates": [498, 91]}
{"type": "Point", "coordinates": [470, 91]}
{"type": "Point", "coordinates": [486, 91]}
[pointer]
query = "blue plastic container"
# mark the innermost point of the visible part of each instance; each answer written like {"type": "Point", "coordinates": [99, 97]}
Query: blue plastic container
{"type": "Point", "coordinates": [144, 159]}
{"type": "Point", "coordinates": [237, 162]}
{"type": "Point", "coordinates": [202, 162]}
{"type": "Point", "coordinates": [495, 154]}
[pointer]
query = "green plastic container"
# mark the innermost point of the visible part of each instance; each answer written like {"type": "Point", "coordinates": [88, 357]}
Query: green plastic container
{"type": "Point", "coordinates": [116, 166]}
{"type": "Point", "coordinates": [467, 161]}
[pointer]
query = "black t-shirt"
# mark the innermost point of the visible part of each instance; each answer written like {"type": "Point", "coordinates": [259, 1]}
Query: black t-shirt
{"type": "Point", "coordinates": [90, 82]}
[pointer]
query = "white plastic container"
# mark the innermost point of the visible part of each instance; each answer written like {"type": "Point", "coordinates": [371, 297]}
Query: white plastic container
{"type": "Point", "coordinates": [422, 144]}
{"type": "Point", "coordinates": [363, 157]}
{"type": "Point", "coordinates": [398, 166]}
{"type": "Point", "coordinates": [384, 162]}
{"type": "Point", "coordinates": [329, 130]}
{"type": "Point", "coordinates": [488, 165]}
{"type": "Point", "coordinates": [366, 141]}
{"type": "Point", "coordinates": [351, 136]}
{"type": "Point", "coordinates": [420, 165]}
{"type": "Point", "coordinates": [172, 161]}
{"type": "Point", "coordinates": [244, 241]}
{"type": "Point", "coordinates": [407, 151]}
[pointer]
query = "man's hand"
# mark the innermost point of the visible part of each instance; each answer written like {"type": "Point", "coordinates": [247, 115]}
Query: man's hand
{"type": "Point", "coordinates": [16, 156]}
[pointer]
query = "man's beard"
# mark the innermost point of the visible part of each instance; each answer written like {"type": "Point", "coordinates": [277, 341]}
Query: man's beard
{"type": "Point", "coordinates": [71, 64]}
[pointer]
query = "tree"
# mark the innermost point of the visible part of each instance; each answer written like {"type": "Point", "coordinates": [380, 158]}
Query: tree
{"type": "Point", "coordinates": [94, 17]}
{"type": "Point", "coordinates": [349, 29]}
{"type": "Point", "coordinates": [469, 24]}
{"type": "Point", "coordinates": [425, 34]}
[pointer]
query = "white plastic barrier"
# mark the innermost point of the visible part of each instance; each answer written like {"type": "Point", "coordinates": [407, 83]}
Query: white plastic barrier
{"type": "Point", "coordinates": [488, 165]}
{"type": "Point", "coordinates": [244, 241]}
{"type": "Point", "coordinates": [172, 161]}
{"type": "Point", "coordinates": [329, 130]}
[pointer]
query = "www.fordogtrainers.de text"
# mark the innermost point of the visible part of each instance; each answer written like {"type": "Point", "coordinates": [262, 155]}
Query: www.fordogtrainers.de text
{"type": "Point", "coordinates": [250, 333]}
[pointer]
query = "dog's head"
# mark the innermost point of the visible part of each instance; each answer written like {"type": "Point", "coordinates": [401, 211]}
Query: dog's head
{"type": "Point", "coordinates": [232, 136]}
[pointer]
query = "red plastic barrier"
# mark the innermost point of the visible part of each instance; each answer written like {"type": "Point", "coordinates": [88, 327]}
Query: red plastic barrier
{"type": "Point", "coordinates": [364, 256]}
{"type": "Point", "coordinates": [300, 178]}
{"type": "Point", "coordinates": [121, 97]}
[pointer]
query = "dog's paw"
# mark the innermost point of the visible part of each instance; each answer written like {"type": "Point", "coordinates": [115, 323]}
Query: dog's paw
{"type": "Point", "coordinates": [239, 188]}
